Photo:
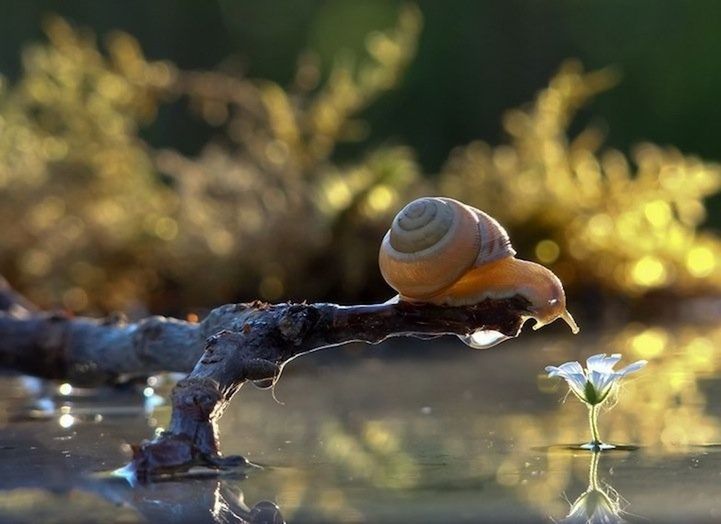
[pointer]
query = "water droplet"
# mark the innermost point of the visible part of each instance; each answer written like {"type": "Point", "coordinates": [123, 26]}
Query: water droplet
{"type": "Point", "coordinates": [483, 339]}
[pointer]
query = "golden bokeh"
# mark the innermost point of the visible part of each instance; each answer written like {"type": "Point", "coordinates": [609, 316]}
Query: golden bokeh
{"type": "Point", "coordinates": [626, 225]}
{"type": "Point", "coordinates": [267, 211]}
{"type": "Point", "coordinates": [103, 221]}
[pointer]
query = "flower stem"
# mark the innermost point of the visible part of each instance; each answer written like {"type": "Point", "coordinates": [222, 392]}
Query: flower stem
{"type": "Point", "coordinates": [593, 423]}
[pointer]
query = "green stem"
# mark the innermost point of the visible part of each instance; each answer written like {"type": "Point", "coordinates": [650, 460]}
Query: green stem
{"type": "Point", "coordinates": [593, 422]}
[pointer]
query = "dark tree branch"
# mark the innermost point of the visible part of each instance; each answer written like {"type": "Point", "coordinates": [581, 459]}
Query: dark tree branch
{"type": "Point", "coordinates": [272, 337]}
{"type": "Point", "coordinates": [233, 344]}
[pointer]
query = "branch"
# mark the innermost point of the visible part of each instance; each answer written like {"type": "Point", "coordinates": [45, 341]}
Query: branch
{"type": "Point", "coordinates": [269, 339]}
{"type": "Point", "coordinates": [233, 344]}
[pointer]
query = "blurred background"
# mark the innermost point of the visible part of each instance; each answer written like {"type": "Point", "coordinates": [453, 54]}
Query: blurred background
{"type": "Point", "coordinates": [169, 156]}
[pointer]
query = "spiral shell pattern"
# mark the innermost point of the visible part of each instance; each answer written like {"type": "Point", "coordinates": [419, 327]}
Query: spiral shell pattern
{"type": "Point", "coordinates": [433, 241]}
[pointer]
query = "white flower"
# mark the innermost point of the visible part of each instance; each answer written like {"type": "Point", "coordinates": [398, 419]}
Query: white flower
{"type": "Point", "coordinates": [593, 384]}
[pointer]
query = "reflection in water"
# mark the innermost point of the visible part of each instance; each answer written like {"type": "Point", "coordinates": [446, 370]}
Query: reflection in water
{"type": "Point", "coordinates": [229, 506]}
{"type": "Point", "coordinates": [193, 499]}
{"type": "Point", "coordinates": [393, 438]}
{"type": "Point", "coordinates": [68, 405]}
{"type": "Point", "coordinates": [486, 422]}
{"type": "Point", "coordinates": [66, 420]}
{"type": "Point", "coordinates": [664, 410]}
{"type": "Point", "coordinates": [596, 505]}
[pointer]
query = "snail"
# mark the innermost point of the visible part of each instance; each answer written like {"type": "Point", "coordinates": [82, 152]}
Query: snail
{"type": "Point", "coordinates": [443, 252]}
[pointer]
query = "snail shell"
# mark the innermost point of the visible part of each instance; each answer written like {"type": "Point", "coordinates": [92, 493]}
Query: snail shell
{"type": "Point", "coordinates": [444, 252]}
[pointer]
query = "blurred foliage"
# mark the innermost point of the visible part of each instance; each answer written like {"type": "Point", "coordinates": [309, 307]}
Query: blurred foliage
{"type": "Point", "coordinates": [276, 215]}
{"type": "Point", "coordinates": [598, 218]}
{"type": "Point", "coordinates": [102, 220]}
{"type": "Point", "coordinates": [79, 198]}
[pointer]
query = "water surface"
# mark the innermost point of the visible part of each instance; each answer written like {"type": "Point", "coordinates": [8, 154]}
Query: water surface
{"type": "Point", "coordinates": [426, 431]}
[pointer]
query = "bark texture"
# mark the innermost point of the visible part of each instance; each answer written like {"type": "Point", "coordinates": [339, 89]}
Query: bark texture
{"type": "Point", "coordinates": [233, 344]}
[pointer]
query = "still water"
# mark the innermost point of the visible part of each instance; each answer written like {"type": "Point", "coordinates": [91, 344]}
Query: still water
{"type": "Point", "coordinates": [420, 431]}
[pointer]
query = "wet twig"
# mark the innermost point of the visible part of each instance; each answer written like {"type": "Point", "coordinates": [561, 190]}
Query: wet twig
{"type": "Point", "coordinates": [233, 344]}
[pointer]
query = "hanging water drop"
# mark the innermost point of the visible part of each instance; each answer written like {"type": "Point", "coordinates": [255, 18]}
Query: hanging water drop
{"type": "Point", "coordinates": [483, 338]}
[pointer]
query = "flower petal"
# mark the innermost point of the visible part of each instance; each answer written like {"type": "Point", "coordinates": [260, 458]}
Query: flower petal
{"type": "Point", "coordinates": [578, 385]}
{"type": "Point", "coordinates": [565, 369]}
{"type": "Point", "coordinates": [602, 363]}
{"type": "Point", "coordinates": [631, 368]}
{"type": "Point", "coordinates": [572, 373]}
{"type": "Point", "coordinates": [602, 383]}
{"type": "Point", "coordinates": [593, 384]}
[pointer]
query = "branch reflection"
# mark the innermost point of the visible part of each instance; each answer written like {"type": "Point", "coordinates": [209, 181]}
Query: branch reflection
{"type": "Point", "coordinates": [194, 499]}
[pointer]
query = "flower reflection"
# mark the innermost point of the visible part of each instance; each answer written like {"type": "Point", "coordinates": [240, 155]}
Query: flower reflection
{"type": "Point", "coordinates": [593, 386]}
{"type": "Point", "coordinates": [596, 504]}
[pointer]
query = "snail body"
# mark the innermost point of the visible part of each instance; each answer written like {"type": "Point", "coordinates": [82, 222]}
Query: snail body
{"type": "Point", "coordinates": [441, 251]}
